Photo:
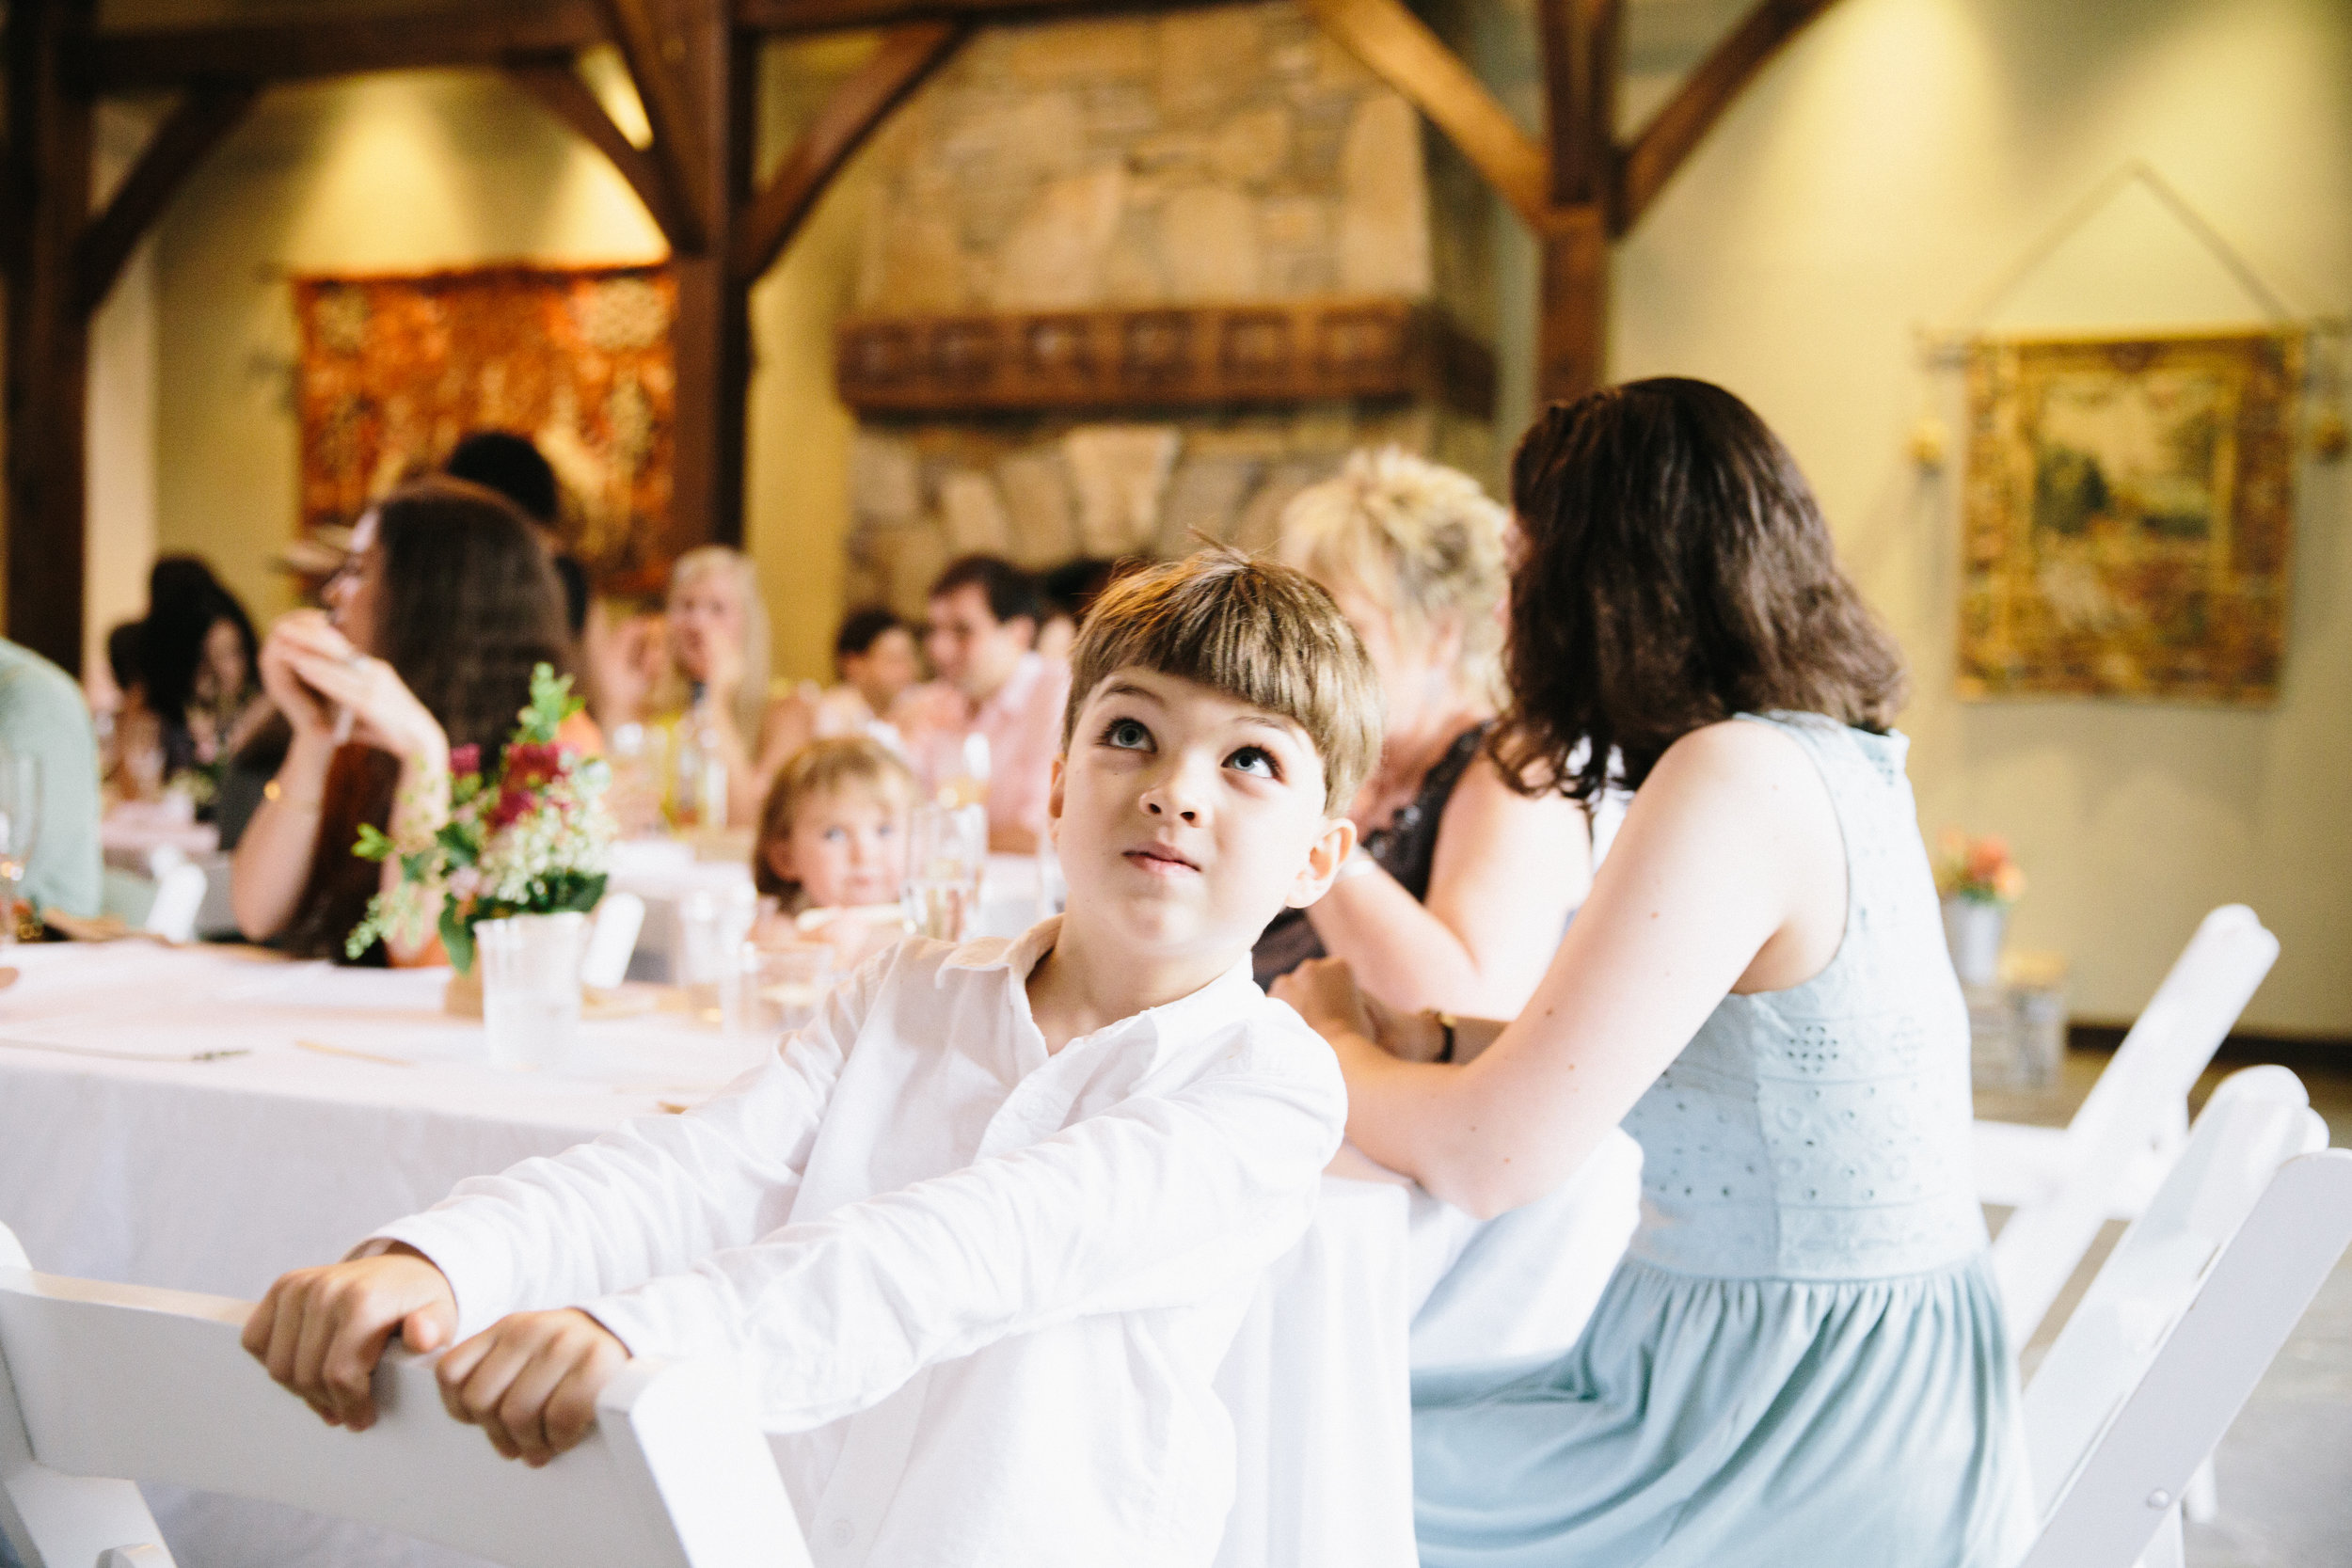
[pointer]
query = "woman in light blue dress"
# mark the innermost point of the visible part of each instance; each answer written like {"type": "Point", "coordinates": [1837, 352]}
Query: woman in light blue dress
{"type": "Point", "coordinates": [1801, 1359]}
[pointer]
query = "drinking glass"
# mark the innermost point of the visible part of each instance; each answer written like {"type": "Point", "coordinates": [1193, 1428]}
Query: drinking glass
{"type": "Point", "coordinates": [947, 854]}
{"type": "Point", "coordinates": [530, 987]}
{"type": "Point", "coordinates": [776, 987]}
{"type": "Point", "coordinates": [20, 826]}
{"type": "Point", "coordinates": [712, 927]}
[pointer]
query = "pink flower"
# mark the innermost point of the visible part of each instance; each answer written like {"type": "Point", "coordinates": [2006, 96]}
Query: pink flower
{"type": "Point", "coordinates": [531, 761]}
{"type": "Point", "coordinates": [465, 759]}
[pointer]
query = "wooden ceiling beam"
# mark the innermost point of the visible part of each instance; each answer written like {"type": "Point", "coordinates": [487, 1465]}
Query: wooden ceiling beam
{"type": "Point", "coordinates": [784, 16]}
{"type": "Point", "coordinates": [1678, 129]}
{"type": "Point", "coordinates": [1400, 49]}
{"type": "Point", "coordinates": [473, 34]}
{"type": "Point", "coordinates": [555, 81]}
{"type": "Point", "coordinates": [908, 54]}
{"type": "Point", "coordinates": [209, 112]}
{"type": "Point", "coordinates": [652, 43]}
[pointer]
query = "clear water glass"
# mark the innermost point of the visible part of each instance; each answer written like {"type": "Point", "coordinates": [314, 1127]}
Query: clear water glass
{"type": "Point", "coordinates": [712, 927]}
{"type": "Point", "coordinates": [19, 829]}
{"type": "Point", "coordinates": [530, 987]}
{"type": "Point", "coordinates": [946, 855]}
{"type": "Point", "coordinates": [777, 987]}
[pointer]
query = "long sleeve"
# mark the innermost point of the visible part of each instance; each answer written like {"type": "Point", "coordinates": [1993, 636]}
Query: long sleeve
{"type": "Point", "coordinates": [649, 1197]}
{"type": "Point", "coordinates": [1158, 1201]}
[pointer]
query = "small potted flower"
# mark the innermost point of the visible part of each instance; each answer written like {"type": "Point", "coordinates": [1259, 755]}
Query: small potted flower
{"type": "Point", "coordinates": [525, 850]}
{"type": "Point", "coordinates": [1978, 882]}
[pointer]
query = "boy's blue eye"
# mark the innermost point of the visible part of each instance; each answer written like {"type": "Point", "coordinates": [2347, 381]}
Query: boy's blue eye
{"type": "Point", "coordinates": [1127, 735]}
{"type": "Point", "coordinates": [1257, 760]}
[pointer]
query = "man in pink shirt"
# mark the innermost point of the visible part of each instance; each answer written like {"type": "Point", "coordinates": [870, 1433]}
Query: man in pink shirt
{"type": "Point", "coordinates": [992, 682]}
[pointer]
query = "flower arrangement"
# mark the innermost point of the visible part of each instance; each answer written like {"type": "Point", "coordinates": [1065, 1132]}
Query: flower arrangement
{"type": "Point", "coordinates": [1977, 869]}
{"type": "Point", "coordinates": [530, 837]}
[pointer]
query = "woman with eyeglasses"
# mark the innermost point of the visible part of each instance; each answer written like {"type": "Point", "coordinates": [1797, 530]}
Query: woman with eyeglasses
{"type": "Point", "coordinates": [430, 635]}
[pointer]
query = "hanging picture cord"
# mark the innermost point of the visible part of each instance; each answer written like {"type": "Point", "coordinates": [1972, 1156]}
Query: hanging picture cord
{"type": "Point", "coordinates": [1941, 345]}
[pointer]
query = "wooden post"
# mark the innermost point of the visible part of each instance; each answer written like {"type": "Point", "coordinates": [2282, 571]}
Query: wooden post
{"type": "Point", "coordinates": [717, 68]}
{"type": "Point", "coordinates": [1572, 339]}
{"type": "Point", "coordinates": [48, 346]}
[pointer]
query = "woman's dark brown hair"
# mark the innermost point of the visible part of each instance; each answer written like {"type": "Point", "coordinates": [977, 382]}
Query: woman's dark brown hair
{"type": "Point", "coordinates": [1677, 571]}
{"type": "Point", "coordinates": [469, 604]}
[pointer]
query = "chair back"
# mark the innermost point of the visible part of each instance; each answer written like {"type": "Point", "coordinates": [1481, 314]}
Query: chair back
{"type": "Point", "coordinates": [179, 893]}
{"type": "Point", "coordinates": [105, 1385]}
{"type": "Point", "coordinates": [612, 939]}
{"type": "Point", "coordinates": [2136, 1104]}
{"type": "Point", "coordinates": [2182, 1321]}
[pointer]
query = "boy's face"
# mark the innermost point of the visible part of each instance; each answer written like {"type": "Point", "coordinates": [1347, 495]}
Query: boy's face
{"type": "Point", "coordinates": [1186, 821]}
{"type": "Point", "coordinates": [848, 846]}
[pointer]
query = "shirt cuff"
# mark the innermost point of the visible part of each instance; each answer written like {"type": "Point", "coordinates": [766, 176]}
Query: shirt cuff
{"type": "Point", "coordinates": [479, 1279]}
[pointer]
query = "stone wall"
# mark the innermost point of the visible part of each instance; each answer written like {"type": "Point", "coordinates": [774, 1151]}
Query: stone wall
{"type": "Point", "coordinates": [1234, 154]}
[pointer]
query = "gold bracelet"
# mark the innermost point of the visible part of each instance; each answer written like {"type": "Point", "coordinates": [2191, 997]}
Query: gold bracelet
{"type": "Point", "coordinates": [276, 791]}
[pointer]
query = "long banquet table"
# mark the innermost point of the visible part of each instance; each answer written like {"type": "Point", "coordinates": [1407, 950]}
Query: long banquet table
{"type": "Point", "coordinates": [352, 1098]}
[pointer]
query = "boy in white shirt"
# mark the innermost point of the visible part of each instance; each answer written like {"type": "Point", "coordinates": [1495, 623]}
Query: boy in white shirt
{"type": "Point", "coordinates": [981, 1234]}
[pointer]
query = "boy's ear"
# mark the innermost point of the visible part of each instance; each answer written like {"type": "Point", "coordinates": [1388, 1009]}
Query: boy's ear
{"type": "Point", "coordinates": [1329, 851]}
{"type": "Point", "coordinates": [1053, 796]}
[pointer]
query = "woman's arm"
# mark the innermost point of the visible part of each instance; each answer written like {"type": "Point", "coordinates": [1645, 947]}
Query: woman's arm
{"type": "Point", "coordinates": [1730, 873]}
{"type": "Point", "coordinates": [1508, 870]}
{"type": "Point", "coordinates": [272, 863]}
{"type": "Point", "coordinates": [273, 858]}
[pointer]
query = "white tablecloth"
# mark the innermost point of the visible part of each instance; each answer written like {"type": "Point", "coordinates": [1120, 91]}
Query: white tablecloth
{"type": "Point", "coordinates": [219, 1175]}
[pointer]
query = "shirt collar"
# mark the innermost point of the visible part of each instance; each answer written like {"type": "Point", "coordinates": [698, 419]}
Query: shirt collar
{"type": "Point", "coordinates": [1221, 1001]}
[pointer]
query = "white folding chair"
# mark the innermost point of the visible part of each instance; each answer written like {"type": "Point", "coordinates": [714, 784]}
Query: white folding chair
{"type": "Point", "coordinates": [102, 1385]}
{"type": "Point", "coordinates": [179, 893]}
{"type": "Point", "coordinates": [2182, 1321]}
{"type": "Point", "coordinates": [2064, 1183]}
{"type": "Point", "coordinates": [612, 939]}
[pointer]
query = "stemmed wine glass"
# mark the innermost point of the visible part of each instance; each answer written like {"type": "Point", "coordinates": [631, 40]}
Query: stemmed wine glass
{"type": "Point", "coordinates": [20, 826]}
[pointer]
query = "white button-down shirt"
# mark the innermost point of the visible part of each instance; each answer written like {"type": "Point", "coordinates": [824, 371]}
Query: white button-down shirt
{"type": "Point", "coordinates": [986, 1289]}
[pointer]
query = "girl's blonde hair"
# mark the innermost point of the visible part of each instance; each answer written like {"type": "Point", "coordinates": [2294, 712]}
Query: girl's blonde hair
{"type": "Point", "coordinates": [1422, 541]}
{"type": "Point", "coordinates": [750, 699]}
{"type": "Point", "coordinates": [819, 768]}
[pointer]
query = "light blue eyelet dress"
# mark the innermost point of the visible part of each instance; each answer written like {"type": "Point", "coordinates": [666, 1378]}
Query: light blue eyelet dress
{"type": "Point", "coordinates": [1801, 1362]}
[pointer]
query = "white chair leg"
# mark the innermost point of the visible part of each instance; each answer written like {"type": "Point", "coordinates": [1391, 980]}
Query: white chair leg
{"type": "Point", "coordinates": [2201, 1498]}
{"type": "Point", "coordinates": [148, 1556]}
{"type": "Point", "coordinates": [2164, 1550]}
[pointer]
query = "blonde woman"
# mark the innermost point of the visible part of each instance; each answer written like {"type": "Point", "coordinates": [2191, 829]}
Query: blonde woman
{"type": "Point", "coordinates": [713, 685]}
{"type": "Point", "coordinates": [1464, 885]}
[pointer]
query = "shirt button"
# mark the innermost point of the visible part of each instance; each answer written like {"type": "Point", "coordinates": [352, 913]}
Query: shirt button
{"type": "Point", "coordinates": [843, 1532]}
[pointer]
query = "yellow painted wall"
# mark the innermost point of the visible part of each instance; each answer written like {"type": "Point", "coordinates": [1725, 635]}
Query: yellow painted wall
{"type": "Point", "coordinates": [443, 170]}
{"type": "Point", "coordinates": [391, 173]}
{"type": "Point", "coordinates": [1896, 160]}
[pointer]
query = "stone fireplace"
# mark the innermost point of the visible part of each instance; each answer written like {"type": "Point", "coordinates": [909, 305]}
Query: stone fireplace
{"type": "Point", "coordinates": [1132, 282]}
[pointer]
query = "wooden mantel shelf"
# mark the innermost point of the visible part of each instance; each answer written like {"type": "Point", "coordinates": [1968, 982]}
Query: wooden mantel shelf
{"type": "Point", "coordinates": [1163, 357]}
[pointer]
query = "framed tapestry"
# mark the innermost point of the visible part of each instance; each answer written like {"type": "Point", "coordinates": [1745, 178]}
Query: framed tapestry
{"type": "Point", "coordinates": [394, 369]}
{"type": "Point", "coordinates": [2128, 514]}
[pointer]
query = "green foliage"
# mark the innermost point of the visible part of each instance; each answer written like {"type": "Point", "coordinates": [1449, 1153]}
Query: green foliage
{"type": "Point", "coordinates": [551, 702]}
{"type": "Point", "coordinates": [374, 844]}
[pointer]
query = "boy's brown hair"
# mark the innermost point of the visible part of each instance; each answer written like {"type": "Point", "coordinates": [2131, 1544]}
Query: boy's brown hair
{"type": "Point", "coordinates": [1261, 633]}
{"type": "Point", "coordinates": [817, 769]}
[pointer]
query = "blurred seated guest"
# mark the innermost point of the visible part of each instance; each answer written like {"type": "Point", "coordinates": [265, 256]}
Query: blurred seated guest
{"type": "Point", "coordinates": [198, 662]}
{"type": "Point", "coordinates": [875, 656]}
{"type": "Point", "coordinates": [992, 686]}
{"type": "Point", "coordinates": [511, 465]}
{"type": "Point", "coordinates": [42, 717]}
{"type": "Point", "coordinates": [432, 631]}
{"type": "Point", "coordinates": [1068, 592]}
{"type": "Point", "coordinates": [705, 702]}
{"type": "Point", "coordinates": [1461, 885]}
{"type": "Point", "coordinates": [130, 739]}
{"type": "Point", "coordinates": [833, 843]}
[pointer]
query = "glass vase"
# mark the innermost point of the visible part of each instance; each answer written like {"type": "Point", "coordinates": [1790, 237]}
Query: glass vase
{"type": "Point", "coordinates": [1972, 930]}
{"type": "Point", "coordinates": [530, 966]}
